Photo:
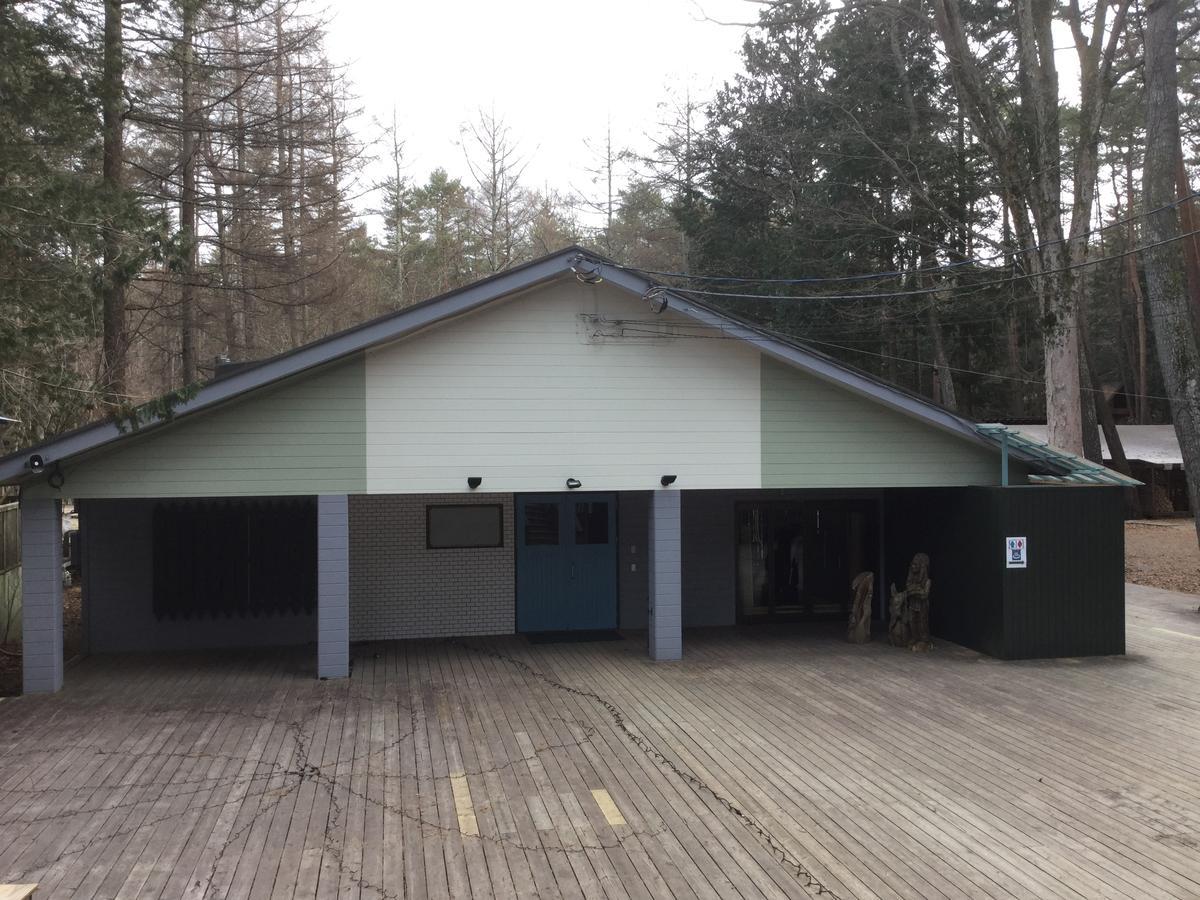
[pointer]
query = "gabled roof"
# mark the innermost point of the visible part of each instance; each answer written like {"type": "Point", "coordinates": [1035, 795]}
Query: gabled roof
{"type": "Point", "coordinates": [587, 266]}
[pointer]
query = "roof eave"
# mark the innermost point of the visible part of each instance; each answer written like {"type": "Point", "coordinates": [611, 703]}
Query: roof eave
{"type": "Point", "coordinates": [813, 363]}
{"type": "Point", "coordinates": [14, 468]}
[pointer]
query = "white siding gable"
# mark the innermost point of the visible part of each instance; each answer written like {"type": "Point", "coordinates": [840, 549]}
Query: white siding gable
{"type": "Point", "coordinates": [547, 386]}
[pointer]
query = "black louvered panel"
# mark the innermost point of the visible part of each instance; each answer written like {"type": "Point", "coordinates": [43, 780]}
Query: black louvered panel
{"type": "Point", "coordinates": [234, 558]}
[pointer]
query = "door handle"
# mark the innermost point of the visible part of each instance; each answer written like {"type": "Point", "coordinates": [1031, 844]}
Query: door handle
{"type": "Point", "coordinates": [572, 571]}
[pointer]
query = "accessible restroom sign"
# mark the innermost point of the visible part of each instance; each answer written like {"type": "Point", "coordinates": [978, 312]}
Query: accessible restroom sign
{"type": "Point", "coordinates": [1016, 552]}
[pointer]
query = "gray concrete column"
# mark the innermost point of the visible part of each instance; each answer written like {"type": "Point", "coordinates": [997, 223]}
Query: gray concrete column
{"type": "Point", "coordinates": [41, 595]}
{"type": "Point", "coordinates": [665, 557]}
{"type": "Point", "coordinates": [333, 586]}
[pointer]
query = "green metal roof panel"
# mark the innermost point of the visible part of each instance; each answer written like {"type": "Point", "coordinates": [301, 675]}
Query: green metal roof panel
{"type": "Point", "coordinates": [1066, 468]}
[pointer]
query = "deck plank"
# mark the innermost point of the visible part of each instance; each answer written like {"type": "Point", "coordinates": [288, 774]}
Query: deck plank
{"type": "Point", "coordinates": [467, 769]}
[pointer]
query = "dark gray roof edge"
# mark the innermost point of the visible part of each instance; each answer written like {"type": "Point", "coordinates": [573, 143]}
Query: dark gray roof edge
{"type": "Point", "coordinates": [824, 367]}
{"type": "Point", "coordinates": [395, 325]}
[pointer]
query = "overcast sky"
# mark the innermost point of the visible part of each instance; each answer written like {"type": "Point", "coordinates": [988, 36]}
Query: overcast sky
{"type": "Point", "coordinates": [555, 71]}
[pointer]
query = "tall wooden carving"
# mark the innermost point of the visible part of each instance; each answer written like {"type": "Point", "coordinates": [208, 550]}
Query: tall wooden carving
{"type": "Point", "coordinates": [863, 586]}
{"type": "Point", "coordinates": [909, 624]}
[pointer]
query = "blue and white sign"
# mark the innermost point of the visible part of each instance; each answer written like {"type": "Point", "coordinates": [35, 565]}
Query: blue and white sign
{"type": "Point", "coordinates": [1016, 552]}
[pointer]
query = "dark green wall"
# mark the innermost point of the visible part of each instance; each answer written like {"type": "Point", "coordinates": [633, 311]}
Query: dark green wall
{"type": "Point", "coordinates": [1070, 601]}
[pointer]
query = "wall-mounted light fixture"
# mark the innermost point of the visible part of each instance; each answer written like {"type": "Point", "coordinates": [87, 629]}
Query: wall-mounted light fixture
{"type": "Point", "coordinates": [656, 298]}
{"type": "Point", "coordinates": [667, 480]}
{"type": "Point", "coordinates": [36, 463]}
{"type": "Point", "coordinates": [474, 481]}
{"type": "Point", "coordinates": [573, 483]}
{"type": "Point", "coordinates": [586, 270]}
{"type": "Point", "coordinates": [56, 479]}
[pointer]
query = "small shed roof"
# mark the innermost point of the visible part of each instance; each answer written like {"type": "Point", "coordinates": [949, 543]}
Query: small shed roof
{"type": "Point", "coordinates": [1157, 445]}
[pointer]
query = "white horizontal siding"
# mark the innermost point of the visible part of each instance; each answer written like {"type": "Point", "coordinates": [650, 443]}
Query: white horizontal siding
{"type": "Point", "coordinates": [520, 395]}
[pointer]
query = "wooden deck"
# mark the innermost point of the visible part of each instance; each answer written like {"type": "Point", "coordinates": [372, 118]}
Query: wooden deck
{"type": "Point", "coordinates": [766, 764]}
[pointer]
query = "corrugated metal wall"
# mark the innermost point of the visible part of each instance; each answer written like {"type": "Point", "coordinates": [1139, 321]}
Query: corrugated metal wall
{"type": "Point", "coordinates": [1069, 601]}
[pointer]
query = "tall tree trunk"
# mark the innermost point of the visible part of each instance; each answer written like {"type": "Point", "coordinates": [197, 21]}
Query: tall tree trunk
{"type": "Point", "coordinates": [187, 205]}
{"type": "Point", "coordinates": [1174, 332]}
{"type": "Point", "coordinates": [113, 281]}
{"type": "Point", "coordinates": [945, 375]}
{"type": "Point", "coordinates": [943, 383]}
{"type": "Point", "coordinates": [228, 300]}
{"type": "Point", "coordinates": [283, 118]}
{"type": "Point", "coordinates": [303, 203]}
{"type": "Point", "coordinates": [1112, 437]}
{"type": "Point", "coordinates": [243, 318]}
{"type": "Point", "coordinates": [1142, 405]}
{"type": "Point", "coordinates": [1031, 172]}
{"type": "Point", "coordinates": [1093, 393]}
{"type": "Point", "coordinates": [1016, 390]}
{"type": "Point", "coordinates": [1189, 221]}
{"type": "Point", "coordinates": [398, 211]}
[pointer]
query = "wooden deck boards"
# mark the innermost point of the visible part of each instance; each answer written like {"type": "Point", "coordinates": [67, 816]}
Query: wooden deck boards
{"type": "Point", "coordinates": [766, 764]}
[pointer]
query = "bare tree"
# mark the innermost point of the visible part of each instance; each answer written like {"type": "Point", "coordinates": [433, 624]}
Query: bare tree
{"type": "Point", "coordinates": [187, 199]}
{"type": "Point", "coordinates": [496, 166]}
{"type": "Point", "coordinates": [113, 277]}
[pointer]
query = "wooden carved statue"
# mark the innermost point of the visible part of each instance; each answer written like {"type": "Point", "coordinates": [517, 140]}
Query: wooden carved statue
{"type": "Point", "coordinates": [909, 625]}
{"type": "Point", "coordinates": [863, 586]}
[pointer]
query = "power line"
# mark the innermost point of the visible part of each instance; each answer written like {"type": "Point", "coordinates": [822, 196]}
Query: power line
{"type": "Point", "coordinates": [62, 387]}
{"type": "Point", "coordinates": [769, 335]}
{"type": "Point", "coordinates": [883, 295]}
{"type": "Point", "coordinates": [941, 267]}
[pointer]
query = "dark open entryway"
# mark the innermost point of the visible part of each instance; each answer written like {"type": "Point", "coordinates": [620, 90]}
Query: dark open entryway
{"type": "Point", "coordinates": [797, 557]}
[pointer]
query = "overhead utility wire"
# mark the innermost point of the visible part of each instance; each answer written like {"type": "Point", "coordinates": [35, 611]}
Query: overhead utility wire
{"type": "Point", "coordinates": [770, 336]}
{"type": "Point", "coordinates": [870, 276]}
{"type": "Point", "coordinates": [883, 295]}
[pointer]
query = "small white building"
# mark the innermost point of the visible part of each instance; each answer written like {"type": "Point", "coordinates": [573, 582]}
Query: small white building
{"type": "Point", "coordinates": [563, 447]}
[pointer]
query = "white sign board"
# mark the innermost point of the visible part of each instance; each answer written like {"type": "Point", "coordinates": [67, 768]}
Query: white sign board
{"type": "Point", "coordinates": [1016, 552]}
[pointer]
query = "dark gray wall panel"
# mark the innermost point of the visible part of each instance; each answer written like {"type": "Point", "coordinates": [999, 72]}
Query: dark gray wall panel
{"type": "Point", "coordinates": [709, 557]}
{"type": "Point", "coordinates": [633, 586]}
{"type": "Point", "coordinates": [118, 592]}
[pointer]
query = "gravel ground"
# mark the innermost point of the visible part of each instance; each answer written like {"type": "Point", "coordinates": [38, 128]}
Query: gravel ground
{"type": "Point", "coordinates": [1163, 553]}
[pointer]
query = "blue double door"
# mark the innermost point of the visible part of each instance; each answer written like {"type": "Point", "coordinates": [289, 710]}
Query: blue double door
{"type": "Point", "coordinates": [566, 562]}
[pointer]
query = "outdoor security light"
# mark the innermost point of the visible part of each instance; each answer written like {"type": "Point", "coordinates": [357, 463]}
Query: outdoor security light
{"type": "Point", "coordinates": [36, 463]}
{"type": "Point", "coordinates": [573, 483]}
{"type": "Point", "coordinates": [474, 481]}
{"type": "Point", "coordinates": [668, 480]}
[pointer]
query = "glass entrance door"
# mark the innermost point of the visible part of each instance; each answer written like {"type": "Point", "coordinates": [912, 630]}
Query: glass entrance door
{"type": "Point", "coordinates": [796, 558]}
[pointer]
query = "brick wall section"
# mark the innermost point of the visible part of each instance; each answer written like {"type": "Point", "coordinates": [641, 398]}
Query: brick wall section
{"type": "Point", "coordinates": [401, 589]}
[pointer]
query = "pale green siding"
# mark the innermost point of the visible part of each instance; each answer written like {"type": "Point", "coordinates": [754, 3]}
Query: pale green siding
{"type": "Point", "coordinates": [815, 434]}
{"type": "Point", "coordinates": [306, 436]}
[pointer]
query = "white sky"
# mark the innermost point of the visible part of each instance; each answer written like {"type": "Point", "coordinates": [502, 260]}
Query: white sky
{"type": "Point", "coordinates": [555, 71]}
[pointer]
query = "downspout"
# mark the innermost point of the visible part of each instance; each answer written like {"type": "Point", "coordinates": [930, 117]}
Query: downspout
{"type": "Point", "coordinates": [1004, 458]}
